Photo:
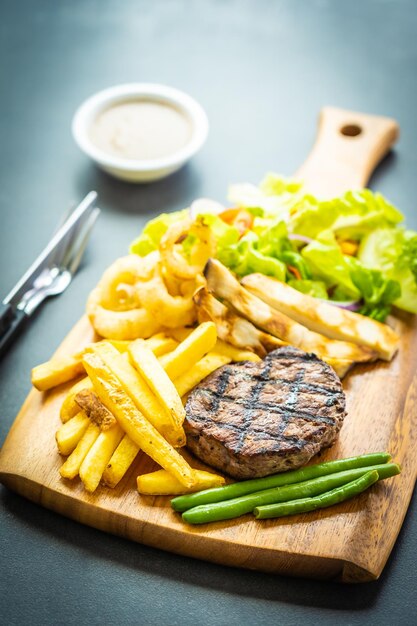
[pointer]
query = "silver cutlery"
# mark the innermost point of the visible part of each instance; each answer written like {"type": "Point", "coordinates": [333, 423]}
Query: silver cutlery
{"type": "Point", "coordinates": [51, 272]}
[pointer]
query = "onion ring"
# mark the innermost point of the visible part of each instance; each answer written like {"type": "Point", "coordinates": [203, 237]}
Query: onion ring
{"type": "Point", "coordinates": [118, 281]}
{"type": "Point", "coordinates": [174, 261]}
{"type": "Point", "coordinates": [173, 284]}
{"type": "Point", "coordinates": [114, 307]}
{"type": "Point", "coordinates": [126, 325]}
{"type": "Point", "coordinates": [169, 311]}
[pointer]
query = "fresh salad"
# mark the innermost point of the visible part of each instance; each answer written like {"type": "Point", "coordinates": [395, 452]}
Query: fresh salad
{"type": "Point", "coordinates": [353, 251]}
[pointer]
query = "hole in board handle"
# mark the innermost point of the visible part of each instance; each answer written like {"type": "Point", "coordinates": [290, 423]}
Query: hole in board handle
{"type": "Point", "coordinates": [351, 130]}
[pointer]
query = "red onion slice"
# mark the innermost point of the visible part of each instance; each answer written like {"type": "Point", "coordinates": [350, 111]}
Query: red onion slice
{"type": "Point", "coordinates": [348, 305]}
{"type": "Point", "coordinates": [300, 238]}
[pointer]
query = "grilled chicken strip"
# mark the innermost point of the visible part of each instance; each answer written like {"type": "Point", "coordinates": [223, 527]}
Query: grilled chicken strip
{"type": "Point", "coordinates": [324, 318]}
{"type": "Point", "coordinates": [233, 328]}
{"type": "Point", "coordinates": [224, 285]}
{"type": "Point", "coordinates": [243, 334]}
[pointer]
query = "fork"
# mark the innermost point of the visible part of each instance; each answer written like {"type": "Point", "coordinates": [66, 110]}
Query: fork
{"type": "Point", "coordinates": [51, 273]}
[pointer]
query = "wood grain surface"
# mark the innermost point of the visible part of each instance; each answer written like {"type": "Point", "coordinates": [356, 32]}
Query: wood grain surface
{"type": "Point", "coordinates": [350, 542]}
{"type": "Point", "coordinates": [348, 147]}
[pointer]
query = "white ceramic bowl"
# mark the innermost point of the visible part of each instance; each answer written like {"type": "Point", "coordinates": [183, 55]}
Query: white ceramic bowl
{"type": "Point", "coordinates": [129, 169]}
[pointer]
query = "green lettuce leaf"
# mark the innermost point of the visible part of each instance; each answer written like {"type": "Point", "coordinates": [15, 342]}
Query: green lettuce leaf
{"type": "Point", "coordinates": [394, 252]}
{"type": "Point", "coordinates": [276, 185]}
{"type": "Point", "coordinates": [349, 279]}
{"type": "Point", "coordinates": [328, 264]}
{"type": "Point", "coordinates": [378, 292]}
{"type": "Point", "coordinates": [243, 258]}
{"type": "Point", "coordinates": [274, 196]}
{"type": "Point", "coordinates": [149, 239]}
{"type": "Point", "coordinates": [352, 216]}
{"type": "Point", "coordinates": [314, 288]}
{"type": "Point", "coordinates": [408, 258]}
{"type": "Point", "coordinates": [272, 236]}
{"type": "Point", "coordinates": [294, 259]}
{"type": "Point", "coordinates": [224, 234]}
{"type": "Point", "coordinates": [384, 271]}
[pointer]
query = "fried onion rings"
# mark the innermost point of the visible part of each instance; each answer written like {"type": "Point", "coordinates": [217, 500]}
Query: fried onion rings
{"type": "Point", "coordinates": [138, 296]}
{"type": "Point", "coordinates": [169, 310]}
{"type": "Point", "coordinates": [172, 253]}
{"type": "Point", "coordinates": [118, 284]}
{"type": "Point", "coordinates": [114, 306]}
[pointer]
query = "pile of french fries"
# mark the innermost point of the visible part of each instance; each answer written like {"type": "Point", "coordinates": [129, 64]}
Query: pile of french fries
{"type": "Point", "coordinates": [130, 401]}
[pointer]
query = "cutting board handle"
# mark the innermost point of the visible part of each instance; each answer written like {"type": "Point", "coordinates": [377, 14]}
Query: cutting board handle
{"type": "Point", "coordinates": [348, 147]}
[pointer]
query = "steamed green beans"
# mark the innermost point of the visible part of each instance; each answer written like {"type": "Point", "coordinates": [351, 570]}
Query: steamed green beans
{"type": "Point", "coordinates": [236, 507]}
{"type": "Point", "coordinates": [340, 494]}
{"type": "Point", "coordinates": [235, 490]}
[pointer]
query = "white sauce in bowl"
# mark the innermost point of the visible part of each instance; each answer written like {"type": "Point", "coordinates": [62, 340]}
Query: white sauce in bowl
{"type": "Point", "coordinates": [141, 130]}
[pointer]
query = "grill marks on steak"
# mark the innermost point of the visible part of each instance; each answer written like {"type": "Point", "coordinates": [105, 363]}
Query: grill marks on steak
{"type": "Point", "coordinates": [254, 419]}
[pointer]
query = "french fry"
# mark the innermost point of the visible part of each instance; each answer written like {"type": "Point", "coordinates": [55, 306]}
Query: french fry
{"type": "Point", "coordinates": [120, 344]}
{"type": "Point", "coordinates": [122, 458]}
{"type": "Point", "coordinates": [235, 354]}
{"type": "Point", "coordinates": [72, 465]}
{"type": "Point", "coordinates": [141, 394]}
{"type": "Point", "coordinates": [180, 333]}
{"type": "Point", "coordinates": [162, 483]}
{"type": "Point", "coordinates": [158, 380]}
{"type": "Point", "coordinates": [69, 434]}
{"type": "Point", "coordinates": [98, 456]}
{"type": "Point", "coordinates": [56, 371]}
{"type": "Point", "coordinates": [69, 407]}
{"type": "Point", "coordinates": [161, 344]}
{"type": "Point", "coordinates": [115, 398]}
{"type": "Point", "coordinates": [199, 371]}
{"type": "Point", "coordinates": [189, 351]}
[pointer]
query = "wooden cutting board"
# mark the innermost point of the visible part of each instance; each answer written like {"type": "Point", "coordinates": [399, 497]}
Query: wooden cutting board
{"type": "Point", "coordinates": [350, 542]}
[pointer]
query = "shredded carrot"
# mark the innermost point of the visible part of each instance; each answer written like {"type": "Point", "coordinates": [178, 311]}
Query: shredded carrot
{"type": "Point", "coordinates": [229, 215]}
{"type": "Point", "coordinates": [294, 271]}
{"type": "Point", "coordinates": [349, 247]}
{"type": "Point", "coordinates": [239, 218]}
{"type": "Point", "coordinates": [243, 222]}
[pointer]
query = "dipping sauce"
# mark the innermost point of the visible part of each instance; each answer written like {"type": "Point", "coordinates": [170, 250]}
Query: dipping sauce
{"type": "Point", "coordinates": [141, 130]}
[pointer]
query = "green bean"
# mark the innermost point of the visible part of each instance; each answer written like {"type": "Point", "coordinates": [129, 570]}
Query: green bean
{"type": "Point", "coordinates": [235, 490]}
{"type": "Point", "coordinates": [340, 494]}
{"type": "Point", "coordinates": [236, 507]}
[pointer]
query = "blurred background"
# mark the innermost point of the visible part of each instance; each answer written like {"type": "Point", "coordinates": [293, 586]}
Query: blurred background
{"type": "Point", "coordinates": [262, 70]}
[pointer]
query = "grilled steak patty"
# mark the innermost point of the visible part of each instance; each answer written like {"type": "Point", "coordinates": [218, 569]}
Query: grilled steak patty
{"type": "Point", "coordinates": [255, 419]}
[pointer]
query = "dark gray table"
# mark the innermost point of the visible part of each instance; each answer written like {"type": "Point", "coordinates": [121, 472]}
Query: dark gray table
{"type": "Point", "coordinates": [262, 70]}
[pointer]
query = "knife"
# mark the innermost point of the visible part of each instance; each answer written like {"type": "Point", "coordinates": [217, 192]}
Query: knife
{"type": "Point", "coordinates": [51, 273]}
